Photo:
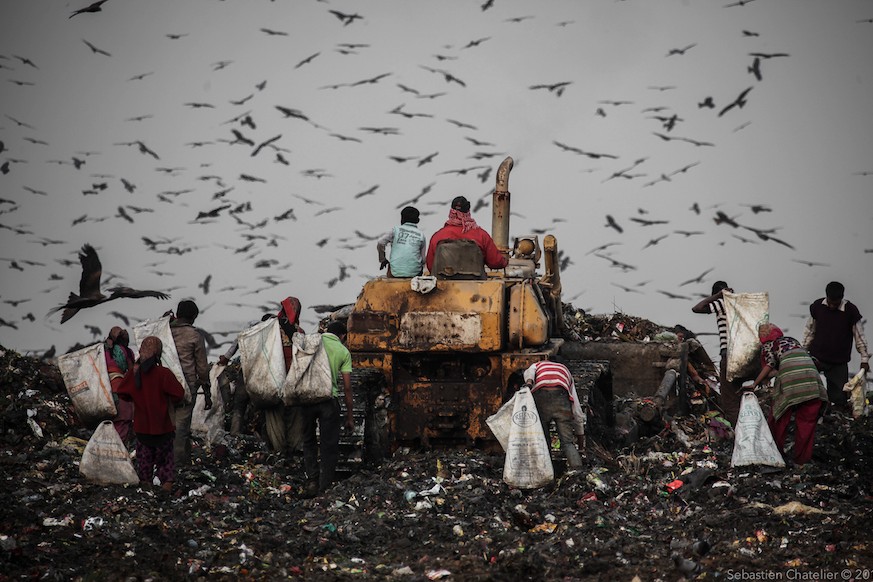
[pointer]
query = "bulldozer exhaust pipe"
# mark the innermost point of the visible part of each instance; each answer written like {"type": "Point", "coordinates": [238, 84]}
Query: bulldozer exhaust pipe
{"type": "Point", "coordinates": [500, 207]}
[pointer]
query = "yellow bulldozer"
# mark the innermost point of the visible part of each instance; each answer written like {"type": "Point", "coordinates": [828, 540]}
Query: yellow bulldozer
{"type": "Point", "coordinates": [435, 356]}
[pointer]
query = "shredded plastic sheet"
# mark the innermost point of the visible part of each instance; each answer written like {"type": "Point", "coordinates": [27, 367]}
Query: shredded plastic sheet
{"type": "Point", "coordinates": [745, 312]}
{"type": "Point", "coordinates": [210, 423]}
{"type": "Point", "coordinates": [87, 381]}
{"type": "Point", "coordinates": [160, 328]}
{"type": "Point", "coordinates": [857, 389]}
{"type": "Point", "coordinates": [262, 363]}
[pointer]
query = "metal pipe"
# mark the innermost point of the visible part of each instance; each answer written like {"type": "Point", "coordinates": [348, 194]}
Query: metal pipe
{"type": "Point", "coordinates": [500, 207]}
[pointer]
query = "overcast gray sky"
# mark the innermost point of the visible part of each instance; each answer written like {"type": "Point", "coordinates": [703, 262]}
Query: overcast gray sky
{"type": "Point", "coordinates": [453, 87]}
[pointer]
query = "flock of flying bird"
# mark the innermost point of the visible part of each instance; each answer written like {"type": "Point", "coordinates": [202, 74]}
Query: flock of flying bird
{"type": "Point", "coordinates": [243, 132]}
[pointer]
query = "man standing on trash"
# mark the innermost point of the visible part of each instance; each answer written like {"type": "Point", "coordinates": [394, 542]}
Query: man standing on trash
{"type": "Point", "coordinates": [191, 348]}
{"type": "Point", "coordinates": [730, 392]}
{"type": "Point", "coordinates": [407, 246]}
{"type": "Point", "coordinates": [461, 225]}
{"type": "Point", "coordinates": [554, 393]}
{"type": "Point", "coordinates": [833, 323]}
{"type": "Point", "coordinates": [326, 415]}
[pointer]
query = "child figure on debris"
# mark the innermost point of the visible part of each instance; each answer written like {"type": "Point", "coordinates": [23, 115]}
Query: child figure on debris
{"type": "Point", "coordinates": [152, 389]}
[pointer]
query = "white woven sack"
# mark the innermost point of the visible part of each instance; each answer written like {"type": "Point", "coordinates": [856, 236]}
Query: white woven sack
{"type": "Point", "coordinates": [744, 312]}
{"type": "Point", "coordinates": [262, 363]}
{"type": "Point", "coordinates": [528, 461]}
{"type": "Point", "coordinates": [309, 379]}
{"type": "Point", "coordinates": [105, 458]}
{"type": "Point", "coordinates": [753, 442]}
{"type": "Point", "coordinates": [87, 381]}
{"type": "Point", "coordinates": [160, 328]}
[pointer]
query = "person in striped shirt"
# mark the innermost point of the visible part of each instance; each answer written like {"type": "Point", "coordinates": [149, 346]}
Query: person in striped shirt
{"type": "Point", "coordinates": [730, 392]}
{"type": "Point", "coordinates": [554, 393]}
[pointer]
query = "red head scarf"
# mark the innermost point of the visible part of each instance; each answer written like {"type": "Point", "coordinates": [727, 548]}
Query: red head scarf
{"type": "Point", "coordinates": [768, 332]}
{"type": "Point", "coordinates": [462, 219]}
{"type": "Point", "coordinates": [290, 309]}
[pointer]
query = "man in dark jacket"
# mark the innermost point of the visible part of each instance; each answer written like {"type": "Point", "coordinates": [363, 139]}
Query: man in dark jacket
{"type": "Point", "coordinates": [832, 326]}
{"type": "Point", "coordinates": [191, 348]}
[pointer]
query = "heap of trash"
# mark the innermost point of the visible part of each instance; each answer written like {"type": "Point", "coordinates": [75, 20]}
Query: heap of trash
{"type": "Point", "coordinates": [667, 507]}
{"type": "Point", "coordinates": [582, 326]}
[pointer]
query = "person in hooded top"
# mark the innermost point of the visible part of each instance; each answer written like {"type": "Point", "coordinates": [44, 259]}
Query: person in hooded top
{"type": "Point", "coordinates": [119, 359]}
{"type": "Point", "coordinates": [407, 246]}
{"type": "Point", "coordinates": [284, 424]}
{"type": "Point", "coordinates": [152, 389]}
{"type": "Point", "coordinates": [461, 225]}
{"type": "Point", "coordinates": [798, 391]}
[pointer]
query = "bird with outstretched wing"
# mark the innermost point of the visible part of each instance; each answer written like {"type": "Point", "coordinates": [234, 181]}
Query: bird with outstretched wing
{"type": "Point", "coordinates": [89, 287]}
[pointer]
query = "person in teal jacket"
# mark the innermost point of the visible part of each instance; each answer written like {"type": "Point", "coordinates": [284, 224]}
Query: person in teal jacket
{"type": "Point", "coordinates": [407, 246]}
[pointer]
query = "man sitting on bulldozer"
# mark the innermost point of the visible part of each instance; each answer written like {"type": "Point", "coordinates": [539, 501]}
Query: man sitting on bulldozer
{"type": "Point", "coordinates": [443, 262]}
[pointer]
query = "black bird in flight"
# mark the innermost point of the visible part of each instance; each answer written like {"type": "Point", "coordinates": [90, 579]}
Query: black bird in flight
{"type": "Point", "coordinates": [769, 55]}
{"type": "Point", "coordinates": [740, 102]}
{"type": "Point", "coordinates": [95, 7]}
{"type": "Point", "coordinates": [707, 102]}
{"type": "Point", "coordinates": [610, 222]}
{"type": "Point", "coordinates": [264, 144]}
{"type": "Point", "coordinates": [556, 88]}
{"type": "Point", "coordinates": [681, 51]}
{"type": "Point", "coordinates": [738, 3]}
{"type": "Point", "coordinates": [575, 150]}
{"type": "Point", "coordinates": [685, 139]}
{"type": "Point", "coordinates": [346, 19]}
{"type": "Point", "coordinates": [697, 279]}
{"type": "Point", "coordinates": [96, 50]}
{"type": "Point", "coordinates": [306, 60]}
{"type": "Point", "coordinates": [755, 69]}
{"type": "Point", "coordinates": [89, 287]}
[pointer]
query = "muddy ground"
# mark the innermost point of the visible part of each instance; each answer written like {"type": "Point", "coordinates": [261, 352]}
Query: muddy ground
{"type": "Point", "coordinates": [437, 515]}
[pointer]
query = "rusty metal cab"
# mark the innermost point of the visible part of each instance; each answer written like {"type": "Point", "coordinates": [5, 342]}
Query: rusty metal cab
{"type": "Point", "coordinates": [446, 352]}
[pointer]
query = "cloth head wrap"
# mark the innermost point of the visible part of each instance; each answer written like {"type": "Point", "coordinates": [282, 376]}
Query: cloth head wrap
{"type": "Point", "coordinates": [768, 332]}
{"type": "Point", "coordinates": [462, 219]}
{"type": "Point", "coordinates": [149, 356]}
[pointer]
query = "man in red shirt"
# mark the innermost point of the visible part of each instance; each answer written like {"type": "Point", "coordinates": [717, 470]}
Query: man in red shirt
{"type": "Point", "coordinates": [461, 225]}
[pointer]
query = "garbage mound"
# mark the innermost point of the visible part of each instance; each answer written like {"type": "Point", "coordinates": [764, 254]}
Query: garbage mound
{"type": "Point", "coordinates": [667, 507]}
{"type": "Point", "coordinates": [581, 326]}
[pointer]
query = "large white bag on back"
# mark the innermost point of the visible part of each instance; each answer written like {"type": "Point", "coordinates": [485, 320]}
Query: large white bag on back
{"type": "Point", "coordinates": [262, 363]}
{"type": "Point", "coordinates": [160, 328]}
{"type": "Point", "coordinates": [745, 312]}
{"type": "Point", "coordinates": [309, 379]}
{"type": "Point", "coordinates": [528, 460]}
{"type": "Point", "coordinates": [87, 381]}
{"type": "Point", "coordinates": [753, 442]}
